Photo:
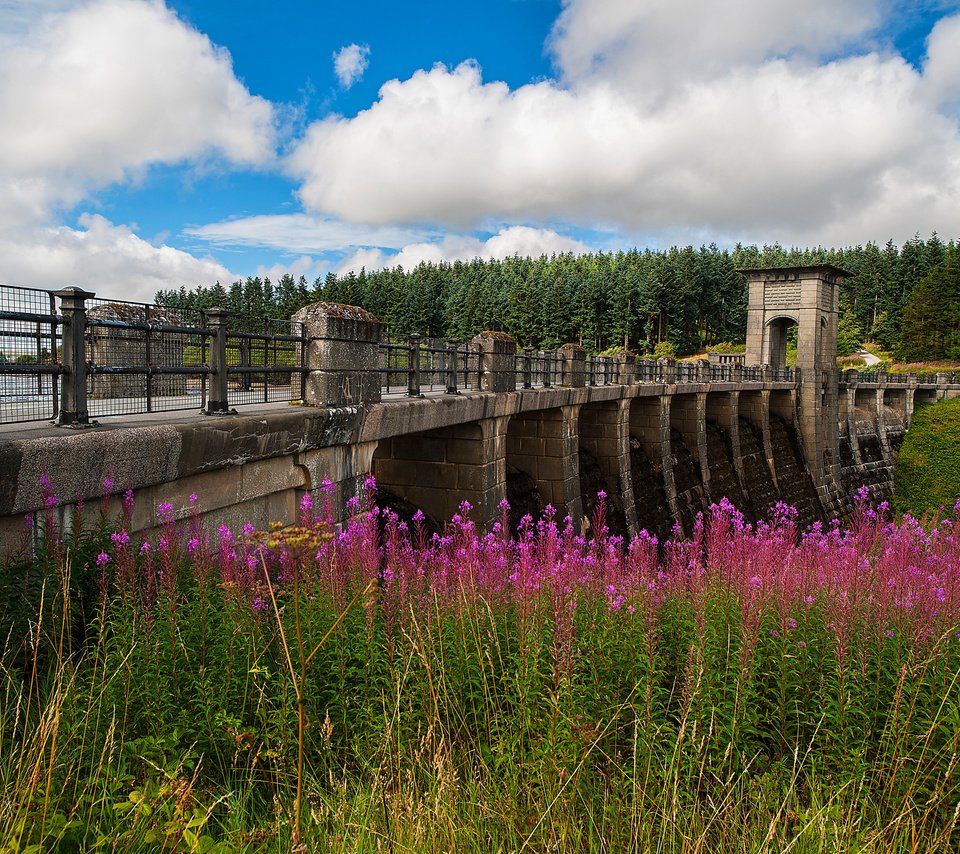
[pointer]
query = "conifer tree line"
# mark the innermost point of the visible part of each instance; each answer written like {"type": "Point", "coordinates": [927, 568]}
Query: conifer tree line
{"type": "Point", "coordinates": [905, 298]}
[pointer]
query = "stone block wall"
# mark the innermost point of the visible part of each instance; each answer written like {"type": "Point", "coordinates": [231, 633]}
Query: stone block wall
{"type": "Point", "coordinates": [544, 444]}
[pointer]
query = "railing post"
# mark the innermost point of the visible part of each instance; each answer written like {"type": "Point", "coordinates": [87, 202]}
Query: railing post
{"type": "Point", "coordinates": [452, 367]}
{"type": "Point", "coordinates": [547, 368]}
{"type": "Point", "coordinates": [73, 358]}
{"type": "Point", "coordinates": [413, 367]}
{"type": "Point", "coordinates": [217, 399]}
{"type": "Point", "coordinates": [528, 367]}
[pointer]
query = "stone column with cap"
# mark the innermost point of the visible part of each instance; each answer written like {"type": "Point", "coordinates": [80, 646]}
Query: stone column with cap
{"type": "Point", "coordinates": [574, 365]}
{"type": "Point", "coordinates": [498, 353]}
{"type": "Point", "coordinates": [343, 354]}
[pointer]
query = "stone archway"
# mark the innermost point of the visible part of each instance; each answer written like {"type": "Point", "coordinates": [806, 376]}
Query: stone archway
{"type": "Point", "coordinates": [775, 336]}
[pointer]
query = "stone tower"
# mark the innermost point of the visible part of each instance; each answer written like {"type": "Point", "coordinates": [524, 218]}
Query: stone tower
{"type": "Point", "coordinates": [808, 297]}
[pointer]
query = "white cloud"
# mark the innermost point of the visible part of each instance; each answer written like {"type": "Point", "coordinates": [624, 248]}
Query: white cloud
{"type": "Point", "coordinates": [304, 233]}
{"type": "Point", "coordinates": [108, 259]}
{"type": "Point", "coordinates": [95, 95]}
{"type": "Point", "coordinates": [942, 67]}
{"type": "Point", "coordinates": [514, 240]}
{"type": "Point", "coordinates": [647, 47]}
{"type": "Point", "coordinates": [350, 62]}
{"type": "Point", "coordinates": [724, 121]}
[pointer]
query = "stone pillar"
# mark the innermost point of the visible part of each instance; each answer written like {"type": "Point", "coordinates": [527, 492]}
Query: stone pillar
{"type": "Point", "coordinates": [702, 370]}
{"type": "Point", "coordinates": [342, 353]}
{"type": "Point", "coordinates": [722, 408]}
{"type": "Point", "coordinates": [755, 407]}
{"type": "Point", "coordinates": [437, 469]}
{"type": "Point", "coordinates": [498, 353]}
{"type": "Point", "coordinates": [851, 409]}
{"type": "Point", "coordinates": [625, 368]}
{"type": "Point", "coordinates": [668, 370]}
{"type": "Point", "coordinates": [574, 365]}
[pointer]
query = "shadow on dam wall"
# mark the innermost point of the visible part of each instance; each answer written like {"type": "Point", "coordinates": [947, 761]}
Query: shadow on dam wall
{"type": "Point", "coordinates": [723, 475]}
{"type": "Point", "coordinates": [653, 511]}
{"type": "Point", "coordinates": [754, 495]}
{"type": "Point", "coordinates": [592, 480]}
{"type": "Point", "coordinates": [688, 482]}
{"type": "Point", "coordinates": [523, 496]}
{"type": "Point", "coordinates": [794, 484]}
{"type": "Point", "coordinates": [759, 487]}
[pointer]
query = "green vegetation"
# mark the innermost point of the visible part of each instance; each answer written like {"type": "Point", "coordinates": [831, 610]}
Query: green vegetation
{"type": "Point", "coordinates": [371, 690]}
{"type": "Point", "coordinates": [692, 298]}
{"type": "Point", "coordinates": [927, 474]}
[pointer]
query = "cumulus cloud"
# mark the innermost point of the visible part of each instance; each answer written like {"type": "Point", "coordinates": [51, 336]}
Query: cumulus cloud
{"type": "Point", "coordinates": [513, 240]}
{"type": "Point", "coordinates": [734, 120]}
{"type": "Point", "coordinates": [97, 94]}
{"type": "Point", "coordinates": [92, 94]}
{"type": "Point", "coordinates": [647, 47]}
{"type": "Point", "coordinates": [350, 62]}
{"type": "Point", "coordinates": [110, 260]}
{"type": "Point", "coordinates": [942, 66]}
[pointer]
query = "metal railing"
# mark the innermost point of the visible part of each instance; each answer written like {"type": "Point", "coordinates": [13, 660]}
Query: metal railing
{"type": "Point", "coordinates": [420, 365]}
{"type": "Point", "coordinates": [69, 357]}
{"type": "Point", "coordinates": [30, 367]}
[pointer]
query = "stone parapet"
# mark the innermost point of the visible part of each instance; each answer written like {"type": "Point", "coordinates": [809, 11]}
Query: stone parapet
{"type": "Point", "coordinates": [574, 365]}
{"type": "Point", "coordinates": [624, 368]}
{"type": "Point", "coordinates": [668, 369]}
{"type": "Point", "coordinates": [498, 353]}
{"type": "Point", "coordinates": [343, 354]}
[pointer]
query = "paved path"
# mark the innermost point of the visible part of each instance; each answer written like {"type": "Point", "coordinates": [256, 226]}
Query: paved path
{"type": "Point", "coordinates": [869, 358]}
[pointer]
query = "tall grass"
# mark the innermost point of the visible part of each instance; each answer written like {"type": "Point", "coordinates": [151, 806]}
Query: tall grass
{"type": "Point", "coordinates": [376, 688]}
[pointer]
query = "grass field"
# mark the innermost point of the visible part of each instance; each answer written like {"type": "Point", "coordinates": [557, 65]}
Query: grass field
{"type": "Point", "coordinates": [373, 689]}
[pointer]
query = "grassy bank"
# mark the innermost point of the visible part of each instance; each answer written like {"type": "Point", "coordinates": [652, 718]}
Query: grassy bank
{"type": "Point", "coordinates": [927, 474]}
{"type": "Point", "coordinates": [370, 689]}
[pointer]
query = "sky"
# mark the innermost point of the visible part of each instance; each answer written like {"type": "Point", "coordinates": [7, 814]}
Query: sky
{"type": "Point", "coordinates": [149, 145]}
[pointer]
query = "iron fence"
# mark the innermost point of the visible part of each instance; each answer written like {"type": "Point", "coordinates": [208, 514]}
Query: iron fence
{"type": "Point", "coordinates": [68, 357]}
{"type": "Point", "coordinates": [420, 365]}
{"type": "Point", "coordinates": [143, 358]}
{"type": "Point", "coordinates": [265, 361]}
{"type": "Point", "coordinates": [29, 355]}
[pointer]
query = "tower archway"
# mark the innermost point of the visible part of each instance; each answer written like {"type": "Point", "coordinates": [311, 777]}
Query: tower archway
{"type": "Point", "coordinates": [807, 296]}
{"type": "Point", "coordinates": [776, 335]}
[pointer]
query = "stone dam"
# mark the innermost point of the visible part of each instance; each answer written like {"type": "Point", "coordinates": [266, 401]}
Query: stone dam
{"type": "Point", "coordinates": [662, 445]}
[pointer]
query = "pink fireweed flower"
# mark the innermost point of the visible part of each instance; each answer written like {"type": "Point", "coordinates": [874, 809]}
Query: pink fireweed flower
{"type": "Point", "coordinates": [193, 498]}
{"type": "Point", "coordinates": [103, 559]}
{"type": "Point", "coordinates": [306, 510]}
{"type": "Point", "coordinates": [165, 511]}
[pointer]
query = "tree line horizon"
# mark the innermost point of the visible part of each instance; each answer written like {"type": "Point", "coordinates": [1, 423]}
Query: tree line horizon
{"type": "Point", "coordinates": [905, 298]}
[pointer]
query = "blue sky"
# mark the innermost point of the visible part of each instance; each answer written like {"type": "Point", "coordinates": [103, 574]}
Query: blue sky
{"type": "Point", "coordinates": [148, 145]}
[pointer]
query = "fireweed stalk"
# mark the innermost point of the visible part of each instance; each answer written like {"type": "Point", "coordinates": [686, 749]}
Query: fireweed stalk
{"type": "Point", "coordinates": [559, 661]}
